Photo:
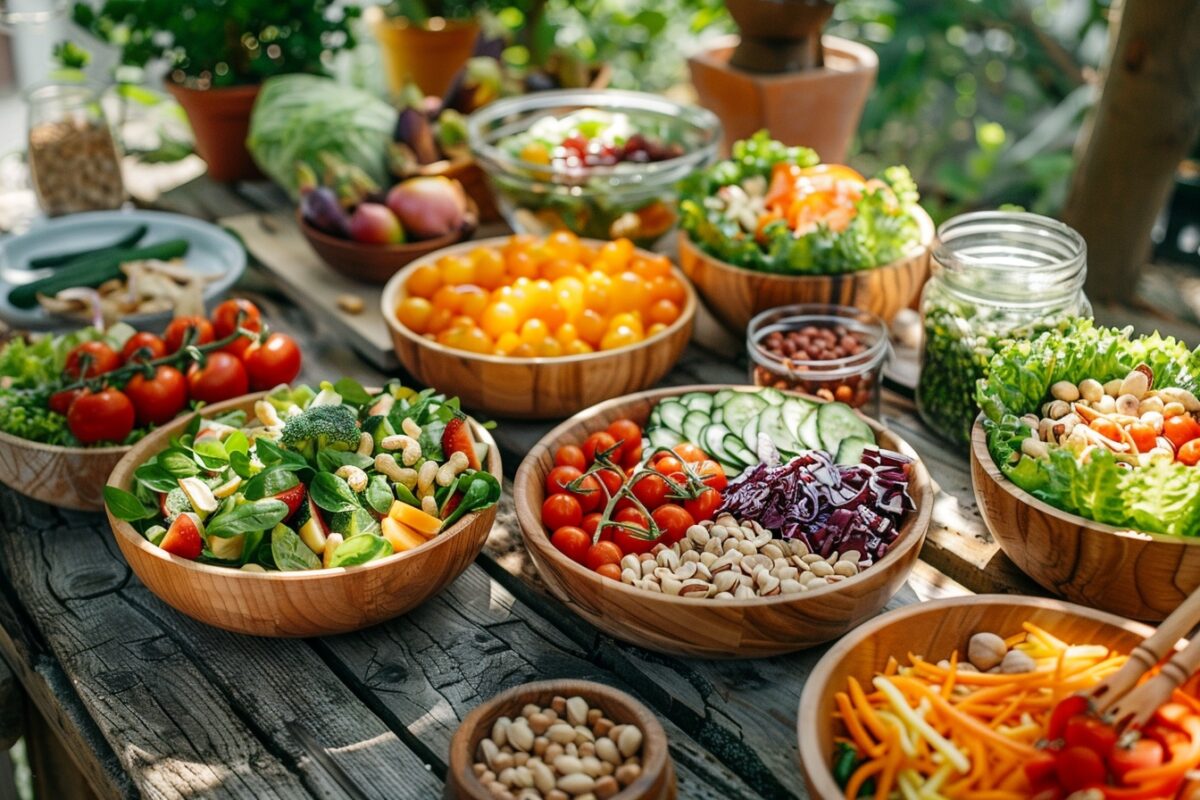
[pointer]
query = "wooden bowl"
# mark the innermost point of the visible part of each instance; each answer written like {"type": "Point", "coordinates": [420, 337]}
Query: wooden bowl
{"type": "Point", "coordinates": [375, 263]}
{"type": "Point", "coordinates": [751, 628]}
{"type": "Point", "coordinates": [1132, 573]}
{"type": "Point", "coordinates": [311, 603]}
{"type": "Point", "coordinates": [534, 388]}
{"type": "Point", "coordinates": [932, 629]}
{"type": "Point", "coordinates": [657, 781]}
{"type": "Point", "coordinates": [67, 477]}
{"type": "Point", "coordinates": [735, 294]}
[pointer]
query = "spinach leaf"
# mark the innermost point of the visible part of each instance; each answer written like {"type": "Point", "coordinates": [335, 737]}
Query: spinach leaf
{"type": "Point", "coordinates": [271, 454]}
{"type": "Point", "coordinates": [289, 552]}
{"type": "Point", "coordinates": [352, 392]}
{"type": "Point", "coordinates": [332, 493]}
{"type": "Point", "coordinates": [125, 506]}
{"type": "Point", "coordinates": [178, 463]}
{"type": "Point", "coordinates": [328, 460]}
{"type": "Point", "coordinates": [379, 494]}
{"type": "Point", "coordinates": [210, 454]}
{"type": "Point", "coordinates": [251, 544]}
{"type": "Point", "coordinates": [234, 419]}
{"type": "Point", "coordinates": [270, 482]}
{"type": "Point", "coordinates": [431, 439]}
{"type": "Point", "coordinates": [240, 463]}
{"type": "Point", "coordinates": [406, 494]}
{"type": "Point", "coordinates": [480, 490]}
{"type": "Point", "coordinates": [255, 515]}
{"type": "Point", "coordinates": [359, 550]}
{"type": "Point", "coordinates": [237, 442]}
{"type": "Point", "coordinates": [155, 477]}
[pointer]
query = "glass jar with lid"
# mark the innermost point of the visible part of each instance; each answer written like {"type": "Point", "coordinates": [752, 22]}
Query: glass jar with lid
{"type": "Point", "coordinates": [73, 161]}
{"type": "Point", "coordinates": [997, 277]}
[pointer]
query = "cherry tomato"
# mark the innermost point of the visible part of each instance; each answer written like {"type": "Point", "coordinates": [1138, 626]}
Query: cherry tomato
{"type": "Point", "coordinates": [689, 452]}
{"type": "Point", "coordinates": [147, 342]}
{"type": "Point", "coordinates": [1086, 731]}
{"type": "Point", "coordinates": [632, 541]}
{"type": "Point", "coordinates": [611, 571]}
{"type": "Point", "coordinates": [632, 457]}
{"type": "Point", "coordinates": [1141, 754]}
{"type": "Point", "coordinates": [626, 432]}
{"type": "Point", "coordinates": [178, 330]}
{"type": "Point", "coordinates": [651, 490]}
{"type": "Point", "coordinates": [612, 480]}
{"type": "Point", "coordinates": [272, 362]}
{"type": "Point", "coordinates": [570, 455]}
{"type": "Point", "coordinates": [60, 402]}
{"type": "Point", "coordinates": [160, 398]}
{"type": "Point", "coordinates": [1181, 429]}
{"type": "Point", "coordinates": [591, 522]}
{"type": "Point", "coordinates": [1190, 453]}
{"type": "Point", "coordinates": [103, 416]}
{"type": "Point", "coordinates": [1079, 768]}
{"type": "Point", "coordinates": [712, 475]}
{"type": "Point", "coordinates": [222, 378]}
{"type": "Point", "coordinates": [674, 521]}
{"type": "Point", "coordinates": [704, 506]}
{"type": "Point", "coordinates": [668, 465]}
{"type": "Point", "coordinates": [572, 542]}
{"type": "Point", "coordinates": [1143, 436]}
{"type": "Point", "coordinates": [1070, 706]}
{"type": "Point", "coordinates": [559, 477]}
{"type": "Point", "coordinates": [1106, 428]}
{"type": "Point", "coordinates": [225, 317]}
{"type": "Point", "coordinates": [599, 442]}
{"type": "Point", "coordinates": [602, 553]}
{"type": "Point", "coordinates": [101, 359]}
{"type": "Point", "coordinates": [561, 510]}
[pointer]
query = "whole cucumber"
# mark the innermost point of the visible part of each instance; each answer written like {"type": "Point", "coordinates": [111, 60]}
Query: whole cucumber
{"type": "Point", "coordinates": [74, 256]}
{"type": "Point", "coordinates": [92, 272]}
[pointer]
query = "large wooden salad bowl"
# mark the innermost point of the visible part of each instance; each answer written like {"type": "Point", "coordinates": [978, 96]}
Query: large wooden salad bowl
{"type": "Point", "coordinates": [534, 388]}
{"type": "Point", "coordinates": [294, 604]}
{"type": "Point", "coordinates": [1132, 573]}
{"type": "Point", "coordinates": [708, 628]}
{"type": "Point", "coordinates": [932, 629]}
{"type": "Point", "coordinates": [67, 477]}
{"type": "Point", "coordinates": [735, 294]}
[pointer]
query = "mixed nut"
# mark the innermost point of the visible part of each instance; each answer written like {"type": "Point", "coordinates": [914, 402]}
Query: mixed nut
{"type": "Point", "coordinates": [792, 359]}
{"type": "Point", "coordinates": [569, 749]}
{"type": "Point", "coordinates": [74, 166]}
{"type": "Point", "coordinates": [727, 560]}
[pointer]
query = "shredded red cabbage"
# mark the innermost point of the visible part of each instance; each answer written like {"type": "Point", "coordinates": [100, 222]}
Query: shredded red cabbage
{"type": "Point", "coordinates": [830, 507]}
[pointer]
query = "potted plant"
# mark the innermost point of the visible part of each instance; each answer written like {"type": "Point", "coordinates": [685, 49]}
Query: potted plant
{"type": "Point", "coordinates": [783, 75]}
{"type": "Point", "coordinates": [427, 42]}
{"type": "Point", "coordinates": [218, 55]}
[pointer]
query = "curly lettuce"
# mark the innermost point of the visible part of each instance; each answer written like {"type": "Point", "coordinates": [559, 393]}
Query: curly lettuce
{"type": "Point", "coordinates": [1161, 497]}
{"type": "Point", "coordinates": [883, 230]}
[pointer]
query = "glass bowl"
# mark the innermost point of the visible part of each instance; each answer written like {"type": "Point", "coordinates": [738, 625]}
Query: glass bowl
{"type": "Point", "coordinates": [852, 377]}
{"type": "Point", "coordinates": [637, 201]}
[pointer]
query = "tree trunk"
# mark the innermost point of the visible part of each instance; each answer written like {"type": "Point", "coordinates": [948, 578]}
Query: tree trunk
{"type": "Point", "coordinates": [1144, 124]}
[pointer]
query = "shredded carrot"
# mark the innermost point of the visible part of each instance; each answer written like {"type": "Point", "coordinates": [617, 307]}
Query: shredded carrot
{"type": "Point", "coordinates": [860, 776]}
{"type": "Point", "coordinates": [860, 737]}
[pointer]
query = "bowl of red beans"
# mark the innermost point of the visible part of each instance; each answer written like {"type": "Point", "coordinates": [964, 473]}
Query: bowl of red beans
{"type": "Point", "coordinates": [833, 352]}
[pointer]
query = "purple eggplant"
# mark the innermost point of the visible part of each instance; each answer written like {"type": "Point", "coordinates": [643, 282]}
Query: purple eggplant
{"type": "Point", "coordinates": [321, 209]}
{"type": "Point", "coordinates": [414, 130]}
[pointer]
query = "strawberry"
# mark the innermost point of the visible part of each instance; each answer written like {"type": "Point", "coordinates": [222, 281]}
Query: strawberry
{"type": "Point", "coordinates": [457, 439]}
{"type": "Point", "coordinates": [183, 538]}
{"type": "Point", "coordinates": [293, 497]}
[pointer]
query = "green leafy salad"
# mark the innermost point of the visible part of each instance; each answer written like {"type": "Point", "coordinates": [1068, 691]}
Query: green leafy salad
{"type": "Point", "coordinates": [1160, 495]}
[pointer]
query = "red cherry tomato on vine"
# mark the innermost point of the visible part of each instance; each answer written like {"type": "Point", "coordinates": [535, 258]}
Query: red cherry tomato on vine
{"type": "Point", "coordinates": [1079, 768]}
{"type": "Point", "coordinates": [689, 452]}
{"type": "Point", "coordinates": [561, 510]}
{"type": "Point", "coordinates": [60, 402]}
{"type": "Point", "coordinates": [1086, 731]}
{"type": "Point", "coordinates": [674, 521]}
{"type": "Point", "coordinates": [1141, 754]}
{"type": "Point", "coordinates": [1181, 429]}
{"type": "Point", "coordinates": [270, 363]}
{"type": "Point", "coordinates": [626, 432]}
{"type": "Point", "coordinates": [712, 475]}
{"type": "Point", "coordinates": [156, 347]}
{"type": "Point", "coordinates": [570, 455]}
{"type": "Point", "coordinates": [222, 378]}
{"type": "Point", "coordinates": [597, 443]}
{"type": "Point", "coordinates": [610, 571]}
{"type": "Point", "coordinates": [101, 359]}
{"type": "Point", "coordinates": [631, 541]}
{"type": "Point", "coordinates": [158, 399]}
{"type": "Point", "coordinates": [225, 317]}
{"type": "Point", "coordinates": [651, 490]}
{"type": "Point", "coordinates": [103, 416]}
{"type": "Point", "coordinates": [177, 332]}
{"type": "Point", "coordinates": [612, 480]}
{"type": "Point", "coordinates": [559, 477]}
{"type": "Point", "coordinates": [703, 506]}
{"type": "Point", "coordinates": [591, 523]}
{"type": "Point", "coordinates": [668, 465]}
{"type": "Point", "coordinates": [602, 553]}
{"type": "Point", "coordinates": [572, 542]}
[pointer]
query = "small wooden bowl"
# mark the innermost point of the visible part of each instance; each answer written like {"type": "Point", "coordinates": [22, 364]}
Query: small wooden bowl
{"type": "Point", "coordinates": [1132, 573]}
{"type": "Point", "coordinates": [657, 781]}
{"type": "Point", "coordinates": [735, 295]}
{"type": "Point", "coordinates": [375, 263]}
{"type": "Point", "coordinates": [293, 604]}
{"type": "Point", "coordinates": [533, 388]}
{"type": "Point", "coordinates": [67, 477]}
{"type": "Point", "coordinates": [763, 626]}
{"type": "Point", "coordinates": [932, 629]}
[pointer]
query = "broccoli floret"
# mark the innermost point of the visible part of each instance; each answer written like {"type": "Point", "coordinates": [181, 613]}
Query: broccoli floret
{"type": "Point", "coordinates": [320, 427]}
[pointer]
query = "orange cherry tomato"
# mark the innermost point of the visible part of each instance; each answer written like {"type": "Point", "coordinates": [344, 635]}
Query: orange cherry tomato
{"type": "Point", "coordinates": [570, 455]}
{"type": "Point", "coordinates": [602, 553]}
{"type": "Point", "coordinates": [1143, 436]}
{"type": "Point", "coordinates": [611, 571]}
{"type": "Point", "coordinates": [689, 452]}
{"type": "Point", "coordinates": [1181, 429]}
{"type": "Point", "coordinates": [1106, 428]}
{"type": "Point", "coordinates": [1190, 453]}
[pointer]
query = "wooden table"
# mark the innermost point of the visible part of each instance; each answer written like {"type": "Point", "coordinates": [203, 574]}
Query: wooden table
{"type": "Point", "coordinates": [147, 702]}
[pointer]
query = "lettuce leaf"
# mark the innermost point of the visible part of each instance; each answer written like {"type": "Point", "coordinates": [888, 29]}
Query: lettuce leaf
{"type": "Point", "coordinates": [1162, 498]}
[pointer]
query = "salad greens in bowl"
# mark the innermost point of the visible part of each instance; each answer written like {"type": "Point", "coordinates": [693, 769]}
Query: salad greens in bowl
{"type": "Point", "coordinates": [352, 505]}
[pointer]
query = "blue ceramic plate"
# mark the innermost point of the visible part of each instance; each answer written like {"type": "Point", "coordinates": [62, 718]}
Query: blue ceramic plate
{"type": "Point", "coordinates": [211, 250]}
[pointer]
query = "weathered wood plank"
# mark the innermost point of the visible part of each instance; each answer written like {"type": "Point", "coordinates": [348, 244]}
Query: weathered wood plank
{"type": "Point", "coordinates": [51, 765]}
{"type": "Point", "coordinates": [424, 672]}
{"type": "Point", "coordinates": [12, 707]}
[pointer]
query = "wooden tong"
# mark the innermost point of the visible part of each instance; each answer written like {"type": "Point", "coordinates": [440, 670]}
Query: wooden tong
{"type": "Point", "coordinates": [1119, 697]}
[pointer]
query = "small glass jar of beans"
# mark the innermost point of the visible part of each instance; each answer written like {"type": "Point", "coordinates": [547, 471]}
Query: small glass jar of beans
{"type": "Point", "coordinates": [564, 750]}
{"type": "Point", "coordinates": [833, 352]}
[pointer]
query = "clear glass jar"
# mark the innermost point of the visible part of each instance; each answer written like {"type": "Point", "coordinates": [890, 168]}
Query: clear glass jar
{"type": "Point", "coordinates": [997, 277]}
{"type": "Point", "coordinates": [73, 161]}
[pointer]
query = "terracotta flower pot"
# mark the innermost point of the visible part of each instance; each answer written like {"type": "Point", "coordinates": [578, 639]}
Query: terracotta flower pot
{"type": "Point", "coordinates": [427, 56]}
{"type": "Point", "coordinates": [220, 120]}
{"type": "Point", "coordinates": [818, 108]}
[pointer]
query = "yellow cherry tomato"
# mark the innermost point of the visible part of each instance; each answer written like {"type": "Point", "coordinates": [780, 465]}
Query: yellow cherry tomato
{"type": "Point", "coordinates": [534, 331]}
{"type": "Point", "coordinates": [522, 265]}
{"type": "Point", "coordinates": [664, 312]}
{"type": "Point", "coordinates": [414, 313]}
{"type": "Point", "coordinates": [598, 292]}
{"type": "Point", "coordinates": [591, 327]}
{"type": "Point", "coordinates": [439, 320]}
{"type": "Point", "coordinates": [489, 267]}
{"type": "Point", "coordinates": [562, 244]}
{"type": "Point", "coordinates": [523, 350]}
{"type": "Point", "coordinates": [578, 348]}
{"type": "Point", "coordinates": [549, 348]}
{"type": "Point", "coordinates": [455, 270]}
{"type": "Point", "coordinates": [500, 318]}
{"type": "Point", "coordinates": [628, 292]}
{"type": "Point", "coordinates": [472, 300]}
{"type": "Point", "coordinates": [506, 343]}
{"type": "Point", "coordinates": [566, 333]}
{"type": "Point", "coordinates": [657, 327]}
{"type": "Point", "coordinates": [423, 281]}
{"type": "Point", "coordinates": [626, 319]}
{"type": "Point", "coordinates": [448, 299]}
{"type": "Point", "coordinates": [621, 336]}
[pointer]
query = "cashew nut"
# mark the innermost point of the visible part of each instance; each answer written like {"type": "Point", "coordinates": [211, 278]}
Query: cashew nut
{"type": "Point", "coordinates": [451, 469]}
{"type": "Point", "coordinates": [266, 414]}
{"type": "Point", "coordinates": [353, 476]}
{"type": "Point", "coordinates": [425, 478]}
{"type": "Point", "coordinates": [385, 463]}
{"type": "Point", "coordinates": [410, 446]}
{"type": "Point", "coordinates": [366, 444]}
{"type": "Point", "coordinates": [411, 428]}
{"type": "Point", "coordinates": [429, 505]}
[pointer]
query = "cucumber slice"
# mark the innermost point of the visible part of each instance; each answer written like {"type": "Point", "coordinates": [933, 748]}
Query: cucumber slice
{"type": "Point", "coordinates": [722, 397]}
{"type": "Point", "coordinates": [741, 408]}
{"type": "Point", "coordinates": [737, 448]}
{"type": "Point", "coordinates": [794, 412]}
{"type": "Point", "coordinates": [663, 437]}
{"type": "Point", "coordinates": [808, 433]}
{"type": "Point", "coordinates": [697, 401]}
{"type": "Point", "coordinates": [850, 451]}
{"type": "Point", "coordinates": [714, 443]}
{"type": "Point", "coordinates": [773, 396]}
{"type": "Point", "coordinates": [671, 413]}
{"type": "Point", "coordinates": [750, 434]}
{"type": "Point", "coordinates": [837, 421]}
{"type": "Point", "coordinates": [693, 424]}
{"type": "Point", "coordinates": [718, 415]}
{"type": "Point", "coordinates": [771, 424]}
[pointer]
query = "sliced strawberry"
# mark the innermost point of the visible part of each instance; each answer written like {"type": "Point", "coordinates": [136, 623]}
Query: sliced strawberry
{"type": "Point", "coordinates": [451, 503]}
{"type": "Point", "coordinates": [184, 538]}
{"type": "Point", "coordinates": [293, 497]}
{"type": "Point", "coordinates": [457, 439]}
{"type": "Point", "coordinates": [162, 504]}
